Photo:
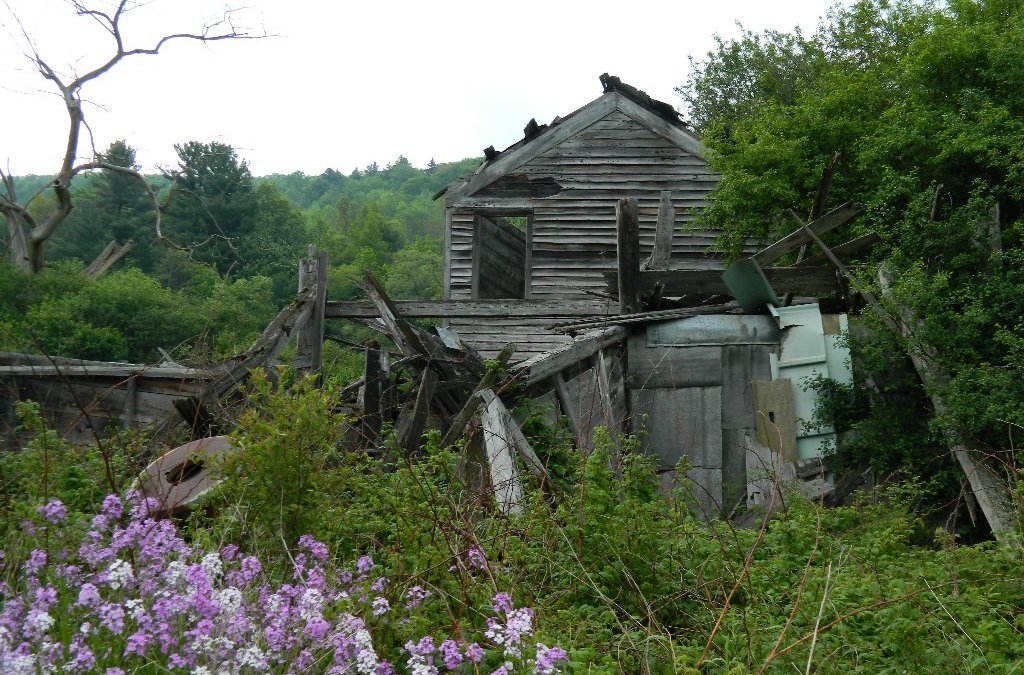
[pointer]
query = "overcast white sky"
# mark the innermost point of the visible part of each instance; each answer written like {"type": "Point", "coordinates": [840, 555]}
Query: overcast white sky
{"type": "Point", "coordinates": [343, 84]}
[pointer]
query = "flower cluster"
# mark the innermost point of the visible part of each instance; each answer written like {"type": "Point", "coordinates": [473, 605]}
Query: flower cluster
{"type": "Point", "coordinates": [132, 592]}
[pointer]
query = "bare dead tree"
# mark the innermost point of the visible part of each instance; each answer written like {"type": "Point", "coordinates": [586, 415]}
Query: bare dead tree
{"type": "Point", "coordinates": [28, 234]}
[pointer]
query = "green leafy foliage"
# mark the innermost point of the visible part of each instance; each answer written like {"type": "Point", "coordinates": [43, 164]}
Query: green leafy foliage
{"type": "Point", "coordinates": [923, 102]}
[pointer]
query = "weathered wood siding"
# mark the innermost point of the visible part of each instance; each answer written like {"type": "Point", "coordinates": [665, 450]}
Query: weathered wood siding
{"type": "Point", "coordinates": [574, 230]}
{"type": "Point", "coordinates": [690, 390]}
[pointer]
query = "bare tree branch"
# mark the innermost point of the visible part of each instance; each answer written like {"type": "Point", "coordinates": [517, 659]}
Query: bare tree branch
{"type": "Point", "coordinates": [27, 236]}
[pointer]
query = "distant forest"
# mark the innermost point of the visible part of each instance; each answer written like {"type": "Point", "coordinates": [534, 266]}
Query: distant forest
{"type": "Point", "coordinates": [241, 238]}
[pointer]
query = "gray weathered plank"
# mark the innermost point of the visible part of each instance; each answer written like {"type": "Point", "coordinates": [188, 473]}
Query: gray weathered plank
{"type": "Point", "coordinates": [797, 238]}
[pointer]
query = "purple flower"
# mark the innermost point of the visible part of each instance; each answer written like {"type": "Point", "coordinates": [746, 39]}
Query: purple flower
{"type": "Point", "coordinates": [364, 564]}
{"type": "Point", "coordinates": [475, 558]}
{"type": "Point", "coordinates": [112, 507]}
{"type": "Point", "coordinates": [36, 561]}
{"type": "Point", "coordinates": [229, 552]}
{"type": "Point", "coordinates": [449, 650]}
{"type": "Point", "coordinates": [82, 658]}
{"type": "Point", "coordinates": [112, 617]}
{"type": "Point", "coordinates": [502, 602]}
{"type": "Point", "coordinates": [53, 511]}
{"type": "Point", "coordinates": [380, 606]}
{"type": "Point", "coordinates": [317, 549]}
{"type": "Point", "coordinates": [547, 659]}
{"type": "Point", "coordinates": [88, 595]}
{"type": "Point", "coordinates": [136, 644]}
{"type": "Point", "coordinates": [317, 628]}
{"type": "Point", "coordinates": [474, 652]}
{"type": "Point", "coordinates": [379, 585]}
{"type": "Point", "coordinates": [416, 595]}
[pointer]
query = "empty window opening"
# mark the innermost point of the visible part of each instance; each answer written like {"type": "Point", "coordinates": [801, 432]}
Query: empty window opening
{"type": "Point", "coordinates": [502, 256]}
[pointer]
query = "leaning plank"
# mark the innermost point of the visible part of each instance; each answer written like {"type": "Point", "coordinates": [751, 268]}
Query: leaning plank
{"type": "Point", "coordinates": [794, 240]}
{"type": "Point", "coordinates": [467, 309]}
{"type": "Point", "coordinates": [465, 415]}
{"type": "Point", "coordinates": [990, 491]}
{"type": "Point", "coordinates": [522, 445]}
{"type": "Point", "coordinates": [676, 283]}
{"type": "Point", "coordinates": [267, 347]}
{"type": "Point", "coordinates": [541, 367]}
{"type": "Point", "coordinates": [508, 490]}
{"type": "Point", "coordinates": [372, 416]}
{"type": "Point", "coordinates": [644, 317]}
{"type": "Point", "coordinates": [309, 346]}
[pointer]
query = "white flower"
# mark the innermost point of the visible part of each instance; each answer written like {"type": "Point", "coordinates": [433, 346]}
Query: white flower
{"type": "Point", "coordinates": [119, 573]}
{"type": "Point", "coordinates": [212, 565]}
{"type": "Point", "coordinates": [39, 622]}
{"type": "Point", "coordinates": [85, 628]}
{"type": "Point", "coordinates": [311, 604]}
{"type": "Point", "coordinates": [252, 657]}
{"type": "Point", "coordinates": [174, 572]}
{"type": "Point", "coordinates": [201, 670]}
{"type": "Point", "coordinates": [135, 609]}
{"type": "Point", "coordinates": [229, 599]}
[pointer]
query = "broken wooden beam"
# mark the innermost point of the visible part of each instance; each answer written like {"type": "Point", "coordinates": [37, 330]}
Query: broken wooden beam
{"type": "Point", "coordinates": [465, 415]}
{"type": "Point", "coordinates": [471, 309]}
{"type": "Point", "coordinates": [501, 460]}
{"type": "Point", "coordinates": [374, 373]}
{"type": "Point", "coordinates": [643, 317]}
{"type": "Point", "coordinates": [543, 366]}
{"type": "Point", "coordinates": [413, 420]}
{"type": "Point", "coordinates": [865, 293]}
{"type": "Point", "coordinates": [677, 283]}
{"type": "Point", "coordinates": [844, 250]}
{"type": "Point", "coordinates": [519, 441]}
{"type": "Point", "coordinates": [991, 492]}
{"type": "Point", "coordinates": [107, 257]}
{"type": "Point", "coordinates": [627, 227]}
{"type": "Point", "coordinates": [797, 238]}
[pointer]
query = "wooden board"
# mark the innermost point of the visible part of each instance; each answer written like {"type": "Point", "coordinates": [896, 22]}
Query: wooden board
{"type": "Point", "coordinates": [661, 367]}
{"type": "Point", "coordinates": [775, 416]}
{"type": "Point", "coordinates": [680, 423]}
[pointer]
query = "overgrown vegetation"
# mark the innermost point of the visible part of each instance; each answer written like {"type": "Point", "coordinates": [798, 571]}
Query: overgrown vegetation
{"type": "Point", "coordinates": [924, 104]}
{"type": "Point", "coordinates": [623, 579]}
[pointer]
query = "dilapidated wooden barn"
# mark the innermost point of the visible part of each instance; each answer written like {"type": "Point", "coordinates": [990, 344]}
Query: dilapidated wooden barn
{"type": "Point", "coordinates": [537, 220]}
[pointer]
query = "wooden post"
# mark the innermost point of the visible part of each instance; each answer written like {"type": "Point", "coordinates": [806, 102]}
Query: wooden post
{"type": "Point", "coordinates": [372, 418]}
{"type": "Point", "coordinates": [628, 230]}
{"type": "Point", "coordinates": [312, 273]}
{"type": "Point", "coordinates": [662, 252]}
